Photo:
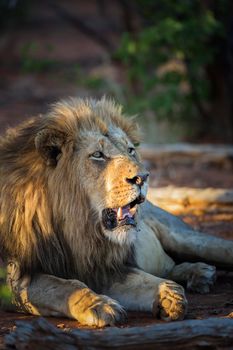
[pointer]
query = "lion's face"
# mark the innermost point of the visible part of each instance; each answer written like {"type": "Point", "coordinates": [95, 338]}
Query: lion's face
{"type": "Point", "coordinates": [92, 144]}
{"type": "Point", "coordinates": [115, 181]}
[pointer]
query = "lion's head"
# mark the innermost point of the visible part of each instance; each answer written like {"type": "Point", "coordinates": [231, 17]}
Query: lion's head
{"type": "Point", "coordinates": [72, 176]}
{"type": "Point", "coordinates": [100, 146]}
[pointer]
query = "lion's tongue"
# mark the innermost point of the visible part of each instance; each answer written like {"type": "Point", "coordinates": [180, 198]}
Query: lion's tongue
{"type": "Point", "coordinates": [126, 211]}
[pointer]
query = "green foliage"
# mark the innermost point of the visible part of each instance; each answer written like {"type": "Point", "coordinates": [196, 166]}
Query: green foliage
{"type": "Point", "coordinates": [89, 81]}
{"type": "Point", "coordinates": [5, 292]}
{"type": "Point", "coordinates": [32, 64]}
{"type": "Point", "coordinates": [166, 61]}
{"type": "Point", "coordinates": [2, 273]}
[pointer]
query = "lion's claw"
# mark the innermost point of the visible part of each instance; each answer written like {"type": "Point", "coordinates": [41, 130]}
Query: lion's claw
{"type": "Point", "coordinates": [202, 278]}
{"type": "Point", "coordinates": [100, 312]}
{"type": "Point", "coordinates": [172, 301]}
{"type": "Point", "coordinates": [107, 312]}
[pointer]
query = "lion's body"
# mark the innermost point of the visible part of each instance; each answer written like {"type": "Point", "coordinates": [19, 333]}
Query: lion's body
{"type": "Point", "coordinates": [72, 223]}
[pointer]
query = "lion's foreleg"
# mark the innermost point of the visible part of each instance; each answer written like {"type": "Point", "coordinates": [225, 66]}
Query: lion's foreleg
{"type": "Point", "coordinates": [180, 241]}
{"type": "Point", "coordinates": [191, 245]}
{"type": "Point", "coordinates": [141, 291]}
{"type": "Point", "coordinates": [198, 277]}
{"type": "Point", "coordinates": [52, 296]}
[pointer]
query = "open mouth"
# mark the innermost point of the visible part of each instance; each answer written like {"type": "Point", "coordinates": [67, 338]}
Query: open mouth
{"type": "Point", "coordinates": [116, 217]}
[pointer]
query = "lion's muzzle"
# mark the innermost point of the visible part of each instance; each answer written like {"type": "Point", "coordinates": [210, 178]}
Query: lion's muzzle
{"type": "Point", "coordinates": [116, 217]}
{"type": "Point", "coordinates": [128, 191]}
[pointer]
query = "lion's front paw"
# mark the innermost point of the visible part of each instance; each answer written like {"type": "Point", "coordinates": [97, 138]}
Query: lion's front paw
{"type": "Point", "coordinates": [202, 278]}
{"type": "Point", "coordinates": [98, 310]}
{"type": "Point", "coordinates": [172, 301]}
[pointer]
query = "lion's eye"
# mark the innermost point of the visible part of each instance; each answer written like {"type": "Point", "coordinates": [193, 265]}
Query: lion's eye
{"type": "Point", "coordinates": [131, 151]}
{"type": "Point", "coordinates": [97, 155]}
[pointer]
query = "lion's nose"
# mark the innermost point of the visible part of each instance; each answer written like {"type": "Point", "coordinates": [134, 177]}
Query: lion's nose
{"type": "Point", "coordinates": [139, 179]}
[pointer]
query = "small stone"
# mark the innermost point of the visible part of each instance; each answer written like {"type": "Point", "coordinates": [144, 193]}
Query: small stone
{"type": "Point", "coordinates": [61, 325]}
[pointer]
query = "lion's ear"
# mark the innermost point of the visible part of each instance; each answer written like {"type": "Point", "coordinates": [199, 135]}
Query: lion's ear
{"type": "Point", "coordinates": [49, 144]}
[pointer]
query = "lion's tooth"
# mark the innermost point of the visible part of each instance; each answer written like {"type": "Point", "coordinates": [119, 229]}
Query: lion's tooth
{"type": "Point", "coordinates": [119, 213]}
{"type": "Point", "coordinates": [133, 210]}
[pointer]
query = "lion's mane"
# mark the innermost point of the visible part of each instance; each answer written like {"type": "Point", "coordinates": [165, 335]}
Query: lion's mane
{"type": "Point", "coordinates": [46, 222]}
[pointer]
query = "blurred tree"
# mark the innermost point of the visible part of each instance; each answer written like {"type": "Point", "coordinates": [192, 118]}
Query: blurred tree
{"type": "Point", "coordinates": [178, 56]}
{"type": "Point", "coordinates": [180, 64]}
{"type": "Point", "coordinates": [12, 12]}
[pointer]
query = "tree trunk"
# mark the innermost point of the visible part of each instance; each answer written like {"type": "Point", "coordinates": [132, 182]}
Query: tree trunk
{"type": "Point", "coordinates": [213, 333]}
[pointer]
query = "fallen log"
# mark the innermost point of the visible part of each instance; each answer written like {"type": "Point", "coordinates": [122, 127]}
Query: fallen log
{"type": "Point", "coordinates": [185, 199]}
{"type": "Point", "coordinates": [187, 152]}
{"type": "Point", "coordinates": [212, 333]}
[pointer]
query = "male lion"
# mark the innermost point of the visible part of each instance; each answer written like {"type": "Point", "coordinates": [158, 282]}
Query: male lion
{"type": "Point", "coordinates": [77, 234]}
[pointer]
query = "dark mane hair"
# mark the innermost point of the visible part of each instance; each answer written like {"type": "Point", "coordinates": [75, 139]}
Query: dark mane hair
{"type": "Point", "coordinates": [41, 226]}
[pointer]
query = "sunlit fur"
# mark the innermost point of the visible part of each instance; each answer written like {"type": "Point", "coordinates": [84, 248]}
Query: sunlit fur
{"type": "Point", "coordinates": [50, 209]}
